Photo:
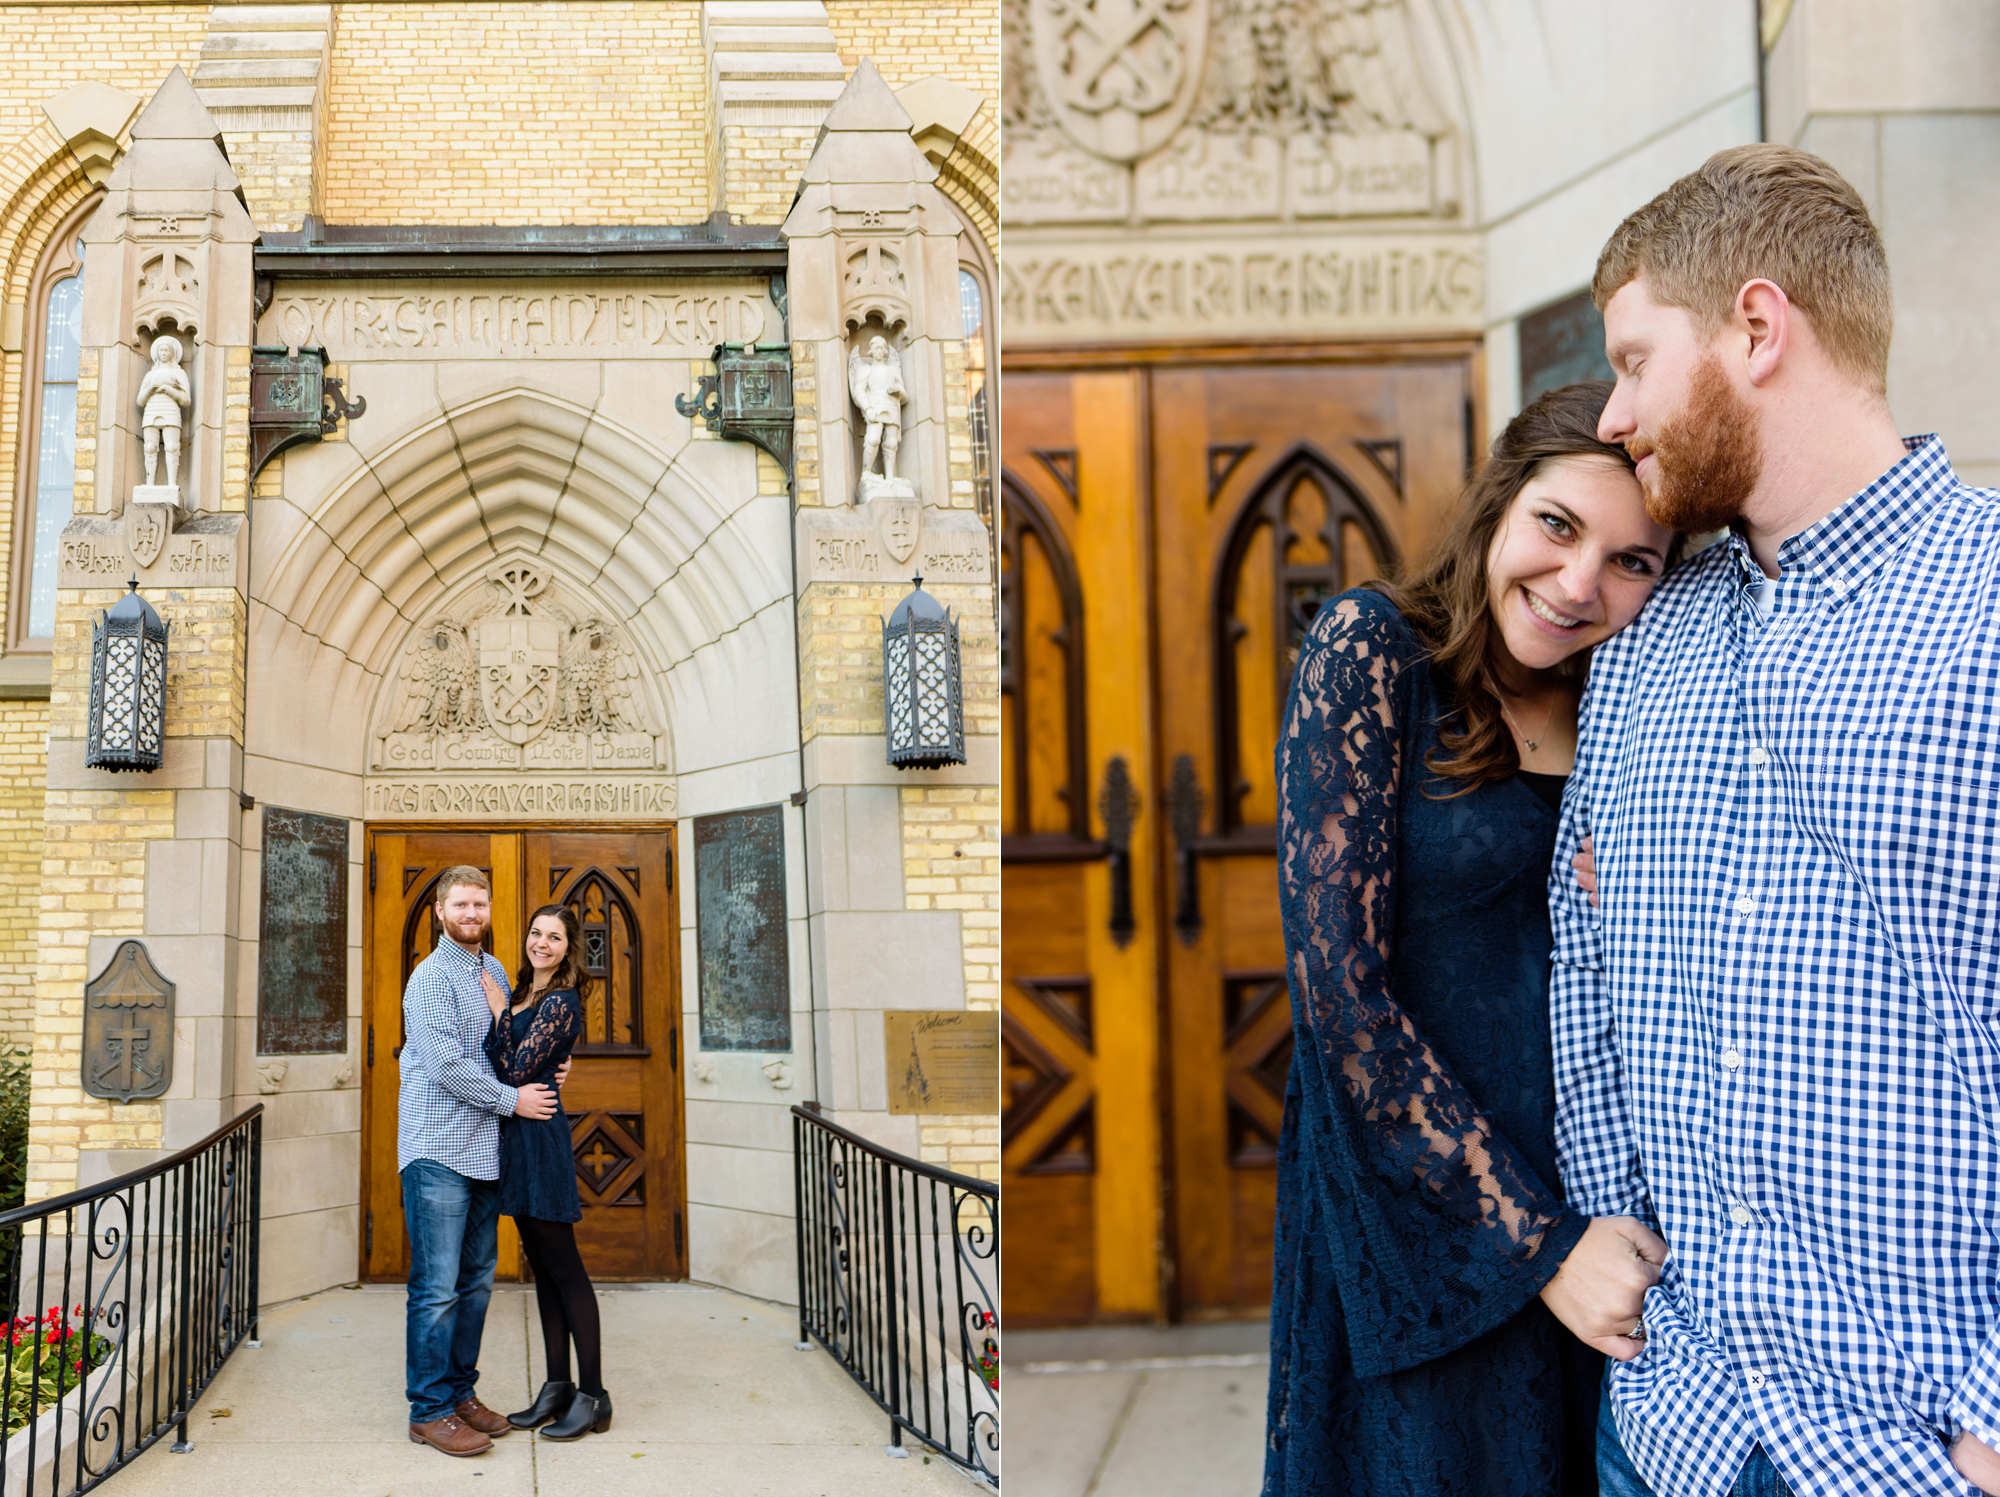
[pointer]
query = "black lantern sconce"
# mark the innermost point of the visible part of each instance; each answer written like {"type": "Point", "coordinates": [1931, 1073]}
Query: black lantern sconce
{"type": "Point", "coordinates": [921, 690]}
{"type": "Point", "coordinates": [128, 686]}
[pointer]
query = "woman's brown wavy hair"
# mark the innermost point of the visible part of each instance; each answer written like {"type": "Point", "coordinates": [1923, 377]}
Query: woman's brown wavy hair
{"type": "Point", "coordinates": [569, 972]}
{"type": "Point", "coordinates": [1446, 601]}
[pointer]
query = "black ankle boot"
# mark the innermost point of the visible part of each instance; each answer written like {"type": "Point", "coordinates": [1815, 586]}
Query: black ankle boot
{"type": "Point", "coordinates": [551, 1401]}
{"type": "Point", "coordinates": [586, 1416]}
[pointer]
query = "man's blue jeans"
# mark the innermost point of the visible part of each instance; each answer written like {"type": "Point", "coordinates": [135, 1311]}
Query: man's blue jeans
{"type": "Point", "coordinates": [1617, 1477]}
{"type": "Point", "coordinates": [454, 1245]}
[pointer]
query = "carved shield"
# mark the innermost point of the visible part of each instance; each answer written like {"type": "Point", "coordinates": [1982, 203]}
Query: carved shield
{"type": "Point", "coordinates": [898, 522]}
{"type": "Point", "coordinates": [1120, 75]}
{"type": "Point", "coordinates": [148, 531]}
{"type": "Point", "coordinates": [518, 663]}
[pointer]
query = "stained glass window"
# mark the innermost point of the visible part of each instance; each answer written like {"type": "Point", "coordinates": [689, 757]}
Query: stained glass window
{"type": "Point", "coordinates": [55, 453]}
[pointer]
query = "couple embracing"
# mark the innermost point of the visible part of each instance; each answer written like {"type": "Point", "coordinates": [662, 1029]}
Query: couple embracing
{"type": "Point", "coordinates": [1641, 1135]}
{"type": "Point", "coordinates": [480, 1132]}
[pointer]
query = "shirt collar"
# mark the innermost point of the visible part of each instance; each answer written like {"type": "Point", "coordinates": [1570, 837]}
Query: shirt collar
{"type": "Point", "coordinates": [1850, 545]}
{"type": "Point", "coordinates": [457, 953]}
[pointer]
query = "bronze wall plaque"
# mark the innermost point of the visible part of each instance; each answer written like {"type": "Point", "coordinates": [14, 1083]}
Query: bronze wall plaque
{"type": "Point", "coordinates": [739, 873]}
{"type": "Point", "coordinates": [302, 935]}
{"type": "Point", "coordinates": [128, 1028]}
{"type": "Point", "coordinates": [943, 1062]}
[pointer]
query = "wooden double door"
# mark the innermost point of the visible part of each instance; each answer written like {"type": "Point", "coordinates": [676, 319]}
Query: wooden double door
{"type": "Point", "coordinates": [1169, 530]}
{"type": "Point", "coordinates": [624, 1096]}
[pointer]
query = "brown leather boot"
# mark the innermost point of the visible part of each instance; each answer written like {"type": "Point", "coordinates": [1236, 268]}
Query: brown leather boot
{"type": "Point", "coordinates": [451, 1435]}
{"type": "Point", "coordinates": [481, 1418]}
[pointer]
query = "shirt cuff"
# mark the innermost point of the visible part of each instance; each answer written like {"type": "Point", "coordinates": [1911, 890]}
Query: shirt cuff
{"type": "Point", "coordinates": [1975, 1403]}
{"type": "Point", "coordinates": [509, 1095]}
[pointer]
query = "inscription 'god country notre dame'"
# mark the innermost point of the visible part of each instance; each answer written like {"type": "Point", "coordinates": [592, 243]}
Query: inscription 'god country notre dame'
{"type": "Point", "coordinates": [484, 322]}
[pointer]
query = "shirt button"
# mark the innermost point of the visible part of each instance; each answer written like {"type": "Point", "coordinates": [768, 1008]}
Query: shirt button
{"type": "Point", "coordinates": [1755, 1379]}
{"type": "Point", "coordinates": [1732, 1057]}
{"type": "Point", "coordinates": [1740, 1215]}
{"type": "Point", "coordinates": [1745, 904]}
{"type": "Point", "coordinates": [1758, 756]}
{"type": "Point", "coordinates": [1837, 584]}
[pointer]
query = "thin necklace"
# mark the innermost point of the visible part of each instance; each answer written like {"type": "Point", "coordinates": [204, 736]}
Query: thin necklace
{"type": "Point", "coordinates": [1532, 743]}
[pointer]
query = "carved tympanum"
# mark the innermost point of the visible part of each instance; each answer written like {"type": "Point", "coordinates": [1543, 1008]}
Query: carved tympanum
{"type": "Point", "coordinates": [521, 676]}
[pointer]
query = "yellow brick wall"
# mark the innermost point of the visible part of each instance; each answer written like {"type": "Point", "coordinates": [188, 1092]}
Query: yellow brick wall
{"type": "Point", "coordinates": [582, 112]}
{"type": "Point", "coordinates": [24, 733]}
{"type": "Point", "coordinates": [93, 883]}
{"type": "Point", "coordinates": [207, 627]}
{"type": "Point", "coordinates": [951, 861]}
{"type": "Point", "coordinates": [761, 167]}
{"type": "Point", "coordinates": [912, 39]}
{"type": "Point", "coordinates": [50, 47]}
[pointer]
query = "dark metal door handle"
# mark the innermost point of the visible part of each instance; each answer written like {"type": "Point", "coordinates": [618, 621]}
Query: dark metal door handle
{"type": "Point", "coordinates": [1185, 805]}
{"type": "Point", "coordinates": [1118, 804]}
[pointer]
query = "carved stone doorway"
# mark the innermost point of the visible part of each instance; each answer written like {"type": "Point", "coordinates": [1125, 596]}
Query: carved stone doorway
{"type": "Point", "coordinates": [624, 1100]}
{"type": "Point", "coordinates": [1170, 527]}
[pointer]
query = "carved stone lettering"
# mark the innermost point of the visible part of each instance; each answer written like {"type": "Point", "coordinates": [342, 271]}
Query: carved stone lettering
{"type": "Point", "coordinates": [525, 321]}
{"type": "Point", "coordinates": [539, 796]}
{"type": "Point", "coordinates": [1229, 286]}
{"type": "Point", "coordinates": [1204, 176]}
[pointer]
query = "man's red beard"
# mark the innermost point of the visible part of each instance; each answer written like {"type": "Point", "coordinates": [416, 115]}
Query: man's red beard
{"type": "Point", "coordinates": [1706, 460]}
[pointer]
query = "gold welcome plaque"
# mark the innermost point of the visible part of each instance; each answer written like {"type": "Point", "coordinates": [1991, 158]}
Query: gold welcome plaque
{"type": "Point", "coordinates": [943, 1061]}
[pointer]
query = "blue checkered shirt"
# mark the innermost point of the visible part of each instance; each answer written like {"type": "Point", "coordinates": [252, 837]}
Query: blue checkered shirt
{"type": "Point", "coordinates": [1777, 1042]}
{"type": "Point", "coordinates": [450, 1104]}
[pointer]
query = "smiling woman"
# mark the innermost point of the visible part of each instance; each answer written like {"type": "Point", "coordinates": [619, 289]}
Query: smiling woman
{"type": "Point", "coordinates": [1423, 1264]}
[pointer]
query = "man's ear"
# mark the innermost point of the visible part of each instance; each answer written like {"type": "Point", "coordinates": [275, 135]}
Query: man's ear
{"type": "Point", "coordinates": [1763, 317]}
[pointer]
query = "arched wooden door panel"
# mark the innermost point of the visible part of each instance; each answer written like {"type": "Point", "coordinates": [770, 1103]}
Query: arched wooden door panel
{"type": "Point", "coordinates": [624, 1097]}
{"type": "Point", "coordinates": [1208, 507]}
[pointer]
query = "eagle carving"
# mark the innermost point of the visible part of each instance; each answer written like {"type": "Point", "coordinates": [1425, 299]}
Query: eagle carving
{"type": "Point", "coordinates": [440, 684]}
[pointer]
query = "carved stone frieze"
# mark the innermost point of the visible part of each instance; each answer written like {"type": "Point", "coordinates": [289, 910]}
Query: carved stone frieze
{"type": "Point", "coordinates": [1222, 111]}
{"type": "Point", "coordinates": [520, 677]}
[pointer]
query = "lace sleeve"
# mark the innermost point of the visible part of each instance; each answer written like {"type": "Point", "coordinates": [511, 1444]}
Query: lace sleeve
{"type": "Point", "coordinates": [1438, 1220]}
{"type": "Point", "coordinates": [551, 1035]}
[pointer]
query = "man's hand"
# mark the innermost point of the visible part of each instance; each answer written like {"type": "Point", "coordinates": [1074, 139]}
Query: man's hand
{"type": "Point", "coordinates": [1977, 1462]}
{"type": "Point", "coordinates": [496, 996]}
{"type": "Point", "coordinates": [562, 1072]}
{"type": "Point", "coordinates": [535, 1101]}
{"type": "Point", "coordinates": [1585, 864]}
{"type": "Point", "coordinates": [1600, 1290]}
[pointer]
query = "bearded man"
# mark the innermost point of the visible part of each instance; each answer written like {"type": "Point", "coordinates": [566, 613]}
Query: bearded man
{"type": "Point", "coordinates": [1776, 1040]}
{"type": "Point", "coordinates": [448, 1113]}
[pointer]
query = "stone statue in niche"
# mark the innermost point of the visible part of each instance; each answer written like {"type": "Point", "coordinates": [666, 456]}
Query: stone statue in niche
{"type": "Point", "coordinates": [875, 380]}
{"type": "Point", "coordinates": [164, 395]}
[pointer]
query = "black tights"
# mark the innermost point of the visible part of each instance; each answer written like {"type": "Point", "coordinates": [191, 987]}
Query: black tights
{"type": "Point", "coordinates": [564, 1296]}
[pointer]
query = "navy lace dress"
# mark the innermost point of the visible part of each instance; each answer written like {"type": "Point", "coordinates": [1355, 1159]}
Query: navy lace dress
{"type": "Point", "coordinates": [1418, 1210]}
{"type": "Point", "coordinates": [537, 1167]}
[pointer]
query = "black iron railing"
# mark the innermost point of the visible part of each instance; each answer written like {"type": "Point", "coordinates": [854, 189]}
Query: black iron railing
{"type": "Point", "coordinates": [130, 1296]}
{"type": "Point", "coordinates": [898, 1264]}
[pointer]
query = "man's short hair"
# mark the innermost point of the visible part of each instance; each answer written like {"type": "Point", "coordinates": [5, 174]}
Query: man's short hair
{"type": "Point", "coordinates": [1765, 212]}
{"type": "Point", "coordinates": [451, 878]}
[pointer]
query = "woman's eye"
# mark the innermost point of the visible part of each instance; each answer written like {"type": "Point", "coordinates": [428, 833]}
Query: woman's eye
{"type": "Point", "coordinates": [1556, 524]}
{"type": "Point", "coordinates": [1636, 566]}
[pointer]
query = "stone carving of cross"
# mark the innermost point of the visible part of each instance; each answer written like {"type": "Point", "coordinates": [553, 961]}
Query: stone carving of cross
{"type": "Point", "coordinates": [170, 226]}
{"type": "Point", "coordinates": [128, 1047]}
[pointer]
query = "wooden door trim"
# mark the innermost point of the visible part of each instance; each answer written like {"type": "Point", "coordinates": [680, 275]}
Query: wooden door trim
{"type": "Point", "coordinates": [1442, 348]}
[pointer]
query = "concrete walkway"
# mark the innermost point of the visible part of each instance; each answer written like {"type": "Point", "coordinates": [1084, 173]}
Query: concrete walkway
{"type": "Point", "coordinates": [712, 1400]}
{"type": "Point", "coordinates": [1137, 1411]}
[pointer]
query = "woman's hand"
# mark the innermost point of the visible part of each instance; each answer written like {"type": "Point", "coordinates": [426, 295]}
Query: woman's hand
{"type": "Point", "coordinates": [1976, 1461]}
{"type": "Point", "coordinates": [496, 996]}
{"type": "Point", "coordinates": [1600, 1290]}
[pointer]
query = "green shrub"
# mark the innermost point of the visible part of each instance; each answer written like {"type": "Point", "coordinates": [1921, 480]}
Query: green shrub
{"type": "Point", "coordinates": [13, 1166]}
